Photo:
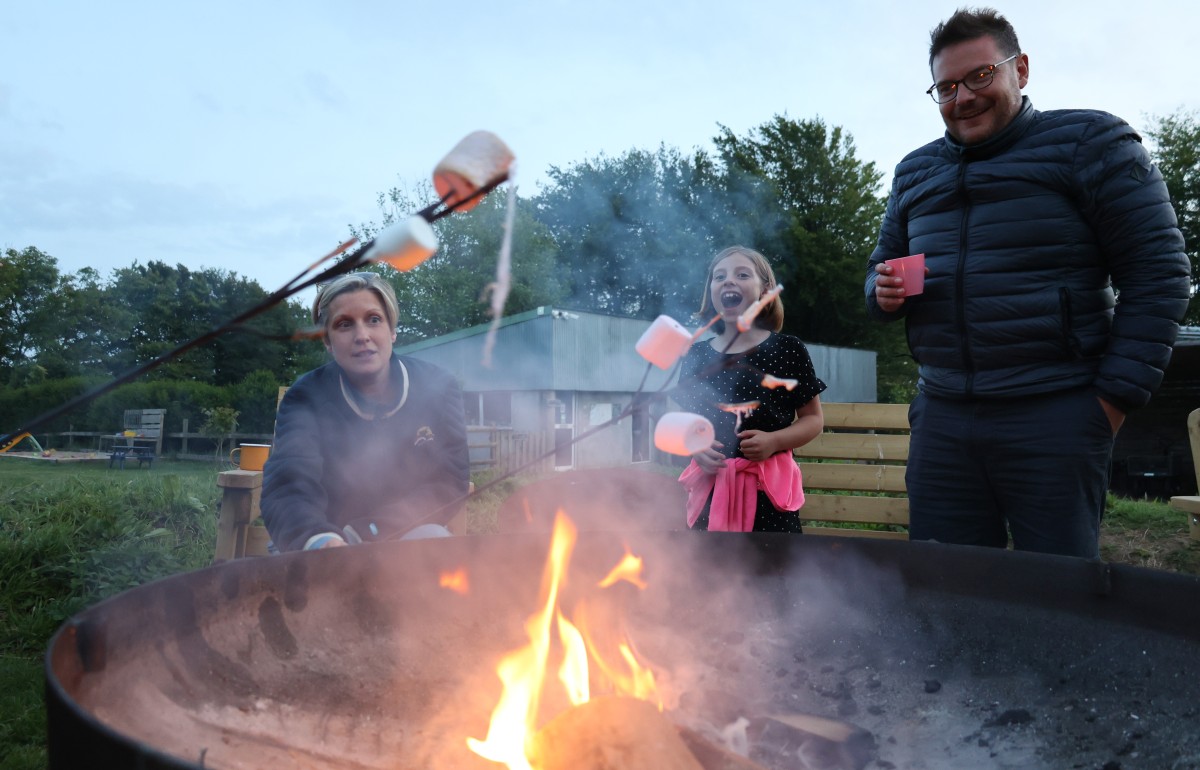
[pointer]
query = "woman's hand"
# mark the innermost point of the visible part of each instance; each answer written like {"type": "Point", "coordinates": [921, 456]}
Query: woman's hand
{"type": "Point", "coordinates": [710, 460]}
{"type": "Point", "coordinates": [757, 445]}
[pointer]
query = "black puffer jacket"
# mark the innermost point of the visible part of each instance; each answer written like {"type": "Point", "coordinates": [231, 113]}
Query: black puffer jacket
{"type": "Point", "coordinates": [1021, 235]}
{"type": "Point", "coordinates": [333, 464]}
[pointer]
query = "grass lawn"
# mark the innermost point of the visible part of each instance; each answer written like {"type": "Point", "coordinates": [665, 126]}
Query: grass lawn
{"type": "Point", "coordinates": [72, 534]}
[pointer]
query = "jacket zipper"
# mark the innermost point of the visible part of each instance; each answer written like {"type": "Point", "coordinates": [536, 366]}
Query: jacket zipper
{"type": "Point", "coordinates": [960, 305]}
{"type": "Point", "coordinates": [1069, 342]}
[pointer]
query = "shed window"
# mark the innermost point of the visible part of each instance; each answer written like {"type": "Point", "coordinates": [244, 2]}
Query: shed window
{"type": "Point", "coordinates": [493, 407]}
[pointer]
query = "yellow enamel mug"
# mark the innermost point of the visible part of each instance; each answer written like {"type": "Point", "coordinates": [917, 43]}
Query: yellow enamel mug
{"type": "Point", "coordinates": [250, 457]}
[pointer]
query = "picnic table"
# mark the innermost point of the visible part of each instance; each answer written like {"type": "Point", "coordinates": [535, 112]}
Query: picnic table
{"type": "Point", "coordinates": [121, 447]}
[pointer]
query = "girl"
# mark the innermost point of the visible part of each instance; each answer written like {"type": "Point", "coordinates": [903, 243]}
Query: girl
{"type": "Point", "coordinates": [748, 481]}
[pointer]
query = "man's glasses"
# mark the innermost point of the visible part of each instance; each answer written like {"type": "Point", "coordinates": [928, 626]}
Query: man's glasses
{"type": "Point", "coordinates": [947, 91]}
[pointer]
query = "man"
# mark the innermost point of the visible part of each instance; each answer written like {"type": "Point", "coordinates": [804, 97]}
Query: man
{"type": "Point", "coordinates": [1028, 361]}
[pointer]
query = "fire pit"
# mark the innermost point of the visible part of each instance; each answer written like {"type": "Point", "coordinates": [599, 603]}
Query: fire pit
{"type": "Point", "coordinates": [366, 657]}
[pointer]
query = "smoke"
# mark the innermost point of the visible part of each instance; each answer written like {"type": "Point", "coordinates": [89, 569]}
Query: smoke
{"type": "Point", "coordinates": [637, 232]}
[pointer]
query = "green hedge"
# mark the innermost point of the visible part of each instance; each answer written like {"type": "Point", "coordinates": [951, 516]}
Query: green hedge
{"type": "Point", "coordinates": [253, 398]}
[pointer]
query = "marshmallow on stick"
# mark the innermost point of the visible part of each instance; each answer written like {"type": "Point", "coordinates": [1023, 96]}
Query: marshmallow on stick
{"type": "Point", "coordinates": [404, 244]}
{"type": "Point", "coordinates": [772, 382]}
{"type": "Point", "coordinates": [664, 342]}
{"type": "Point", "coordinates": [744, 409]}
{"type": "Point", "coordinates": [683, 433]}
{"type": "Point", "coordinates": [746, 319]}
{"type": "Point", "coordinates": [480, 159]}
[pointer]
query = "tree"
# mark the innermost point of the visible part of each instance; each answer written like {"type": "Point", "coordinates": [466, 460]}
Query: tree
{"type": "Point", "coordinates": [219, 423]}
{"type": "Point", "coordinates": [85, 336]}
{"type": "Point", "coordinates": [831, 207]}
{"type": "Point", "coordinates": [173, 305]}
{"type": "Point", "coordinates": [1177, 152]}
{"type": "Point", "coordinates": [447, 292]}
{"type": "Point", "coordinates": [634, 233]}
{"type": "Point", "coordinates": [28, 280]}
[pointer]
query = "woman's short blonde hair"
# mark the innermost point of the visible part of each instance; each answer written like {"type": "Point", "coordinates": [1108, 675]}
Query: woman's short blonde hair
{"type": "Point", "coordinates": [771, 316]}
{"type": "Point", "coordinates": [344, 284]}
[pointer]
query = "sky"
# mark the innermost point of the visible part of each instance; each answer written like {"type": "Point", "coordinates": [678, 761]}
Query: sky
{"type": "Point", "coordinates": [249, 136]}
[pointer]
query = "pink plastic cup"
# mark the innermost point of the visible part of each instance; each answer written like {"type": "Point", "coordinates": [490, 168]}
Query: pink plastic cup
{"type": "Point", "coordinates": [912, 270]}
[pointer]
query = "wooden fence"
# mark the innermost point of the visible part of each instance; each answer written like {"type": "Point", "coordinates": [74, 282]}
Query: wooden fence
{"type": "Point", "coordinates": [490, 447]}
{"type": "Point", "coordinates": [504, 450]}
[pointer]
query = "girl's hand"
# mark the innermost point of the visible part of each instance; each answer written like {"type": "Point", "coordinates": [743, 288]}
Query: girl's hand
{"type": "Point", "coordinates": [710, 460]}
{"type": "Point", "coordinates": [756, 445]}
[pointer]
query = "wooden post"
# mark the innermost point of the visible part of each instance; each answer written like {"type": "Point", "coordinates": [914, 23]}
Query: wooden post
{"type": "Point", "coordinates": [240, 495]}
{"type": "Point", "coordinates": [185, 436]}
{"type": "Point", "coordinates": [1190, 504]}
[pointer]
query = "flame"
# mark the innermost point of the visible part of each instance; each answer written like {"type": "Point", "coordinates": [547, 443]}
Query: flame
{"type": "Point", "coordinates": [523, 672]}
{"type": "Point", "coordinates": [456, 581]}
{"type": "Point", "coordinates": [628, 569]}
{"type": "Point", "coordinates": [574, 670]}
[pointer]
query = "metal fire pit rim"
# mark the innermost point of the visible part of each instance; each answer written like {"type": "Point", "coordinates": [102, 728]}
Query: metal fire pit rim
{"type": "Point", "coordinates": [1133, 593]}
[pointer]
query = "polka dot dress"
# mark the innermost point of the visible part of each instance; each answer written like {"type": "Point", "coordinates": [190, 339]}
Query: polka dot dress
{"type": "Point", "coordinates": [708, 378]}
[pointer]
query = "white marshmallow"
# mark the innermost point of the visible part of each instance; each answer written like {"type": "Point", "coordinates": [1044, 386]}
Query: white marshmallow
{"type": "Point", "coordinates": [478, 160]}
{"type": "Point", "coordinates": [683, 433]}
{"type": "Point", "coordinates": [404, 244]}
{"type": "Point", "coordinates": [664, 342]}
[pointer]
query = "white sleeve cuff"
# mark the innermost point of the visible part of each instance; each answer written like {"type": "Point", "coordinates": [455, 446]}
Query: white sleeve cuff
{"type": "Point", "coordinates": [316, 541]}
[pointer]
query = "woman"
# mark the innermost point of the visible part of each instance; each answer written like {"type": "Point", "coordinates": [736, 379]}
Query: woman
{"type": "Point", "coordinates": [747, 480]}
{"type": "Point", "coordinates": [370, 445]}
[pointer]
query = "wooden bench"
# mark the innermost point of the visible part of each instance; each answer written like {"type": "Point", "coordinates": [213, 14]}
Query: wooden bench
{"type": "Point", "coordinates": [1190, 504]}
{"type": "Point", "coordinates": [240, 532]}
{"type": "Point", "coordinates": [854, 471]}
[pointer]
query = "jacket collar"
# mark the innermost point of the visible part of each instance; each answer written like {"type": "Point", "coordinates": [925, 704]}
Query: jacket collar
{"type": "Point", "coordinates": [1003, 140]}
{"type": "Point", "coordinates": [359, 404]}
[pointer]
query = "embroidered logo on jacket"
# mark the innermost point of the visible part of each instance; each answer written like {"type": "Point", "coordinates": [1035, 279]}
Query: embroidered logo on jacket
{"type": "Point", "coordinates": [424, 433]}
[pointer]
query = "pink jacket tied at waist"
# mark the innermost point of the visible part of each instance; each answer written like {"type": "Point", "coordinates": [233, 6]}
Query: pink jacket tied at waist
{"type": "Point", "coordinates": [734, 489]}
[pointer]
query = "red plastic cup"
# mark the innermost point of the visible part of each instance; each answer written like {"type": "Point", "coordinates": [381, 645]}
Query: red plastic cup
{"type": "Point", "coordinates": [912, 270]}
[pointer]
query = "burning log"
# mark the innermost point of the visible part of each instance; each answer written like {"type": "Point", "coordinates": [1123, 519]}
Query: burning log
{"type": "Point", "coordinates": [713, 756]}
{"type": "Point", "coordinates": [611, 733]}
{"type": "Point", "coordinates": [807, 742]}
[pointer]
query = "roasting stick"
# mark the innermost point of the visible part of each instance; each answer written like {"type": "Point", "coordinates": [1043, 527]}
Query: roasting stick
{"type": "Point", "coordinates": [498, 290]}
{"type": "Point", "coordinates": [705, 327]}
{"type": "Point", "coordinates": [638, 399]}
{"type": "Point", "coordinates": [746, 320]}
{"type": "Point", "coordinates": [359, 257]}
{"type": "Point", "coordinates": [195, 342]}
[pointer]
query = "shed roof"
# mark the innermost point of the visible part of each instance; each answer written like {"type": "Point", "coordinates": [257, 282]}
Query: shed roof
{"type": "Point", "coordinates": [556, 349]}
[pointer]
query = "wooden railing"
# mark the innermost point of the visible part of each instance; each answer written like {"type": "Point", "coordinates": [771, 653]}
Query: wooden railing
{"type": "Point", "coordinates": [491, 447]}
{"type": "Point", "coordinates": [503, 449]}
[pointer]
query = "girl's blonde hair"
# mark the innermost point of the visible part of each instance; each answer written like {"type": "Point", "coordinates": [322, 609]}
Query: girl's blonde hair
{"type": "Point", "coordinates": [344, 284]}
{"type": "Point", "coordinates": [771, 316]}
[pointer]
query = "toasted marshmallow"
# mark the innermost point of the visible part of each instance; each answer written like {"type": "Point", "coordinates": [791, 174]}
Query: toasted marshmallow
{"type": "Point", "coordinates": [664, 342]}
{"type": "Point", "coordinates": [404, 244]}
{"type": "Point", "coordinates": [478, 160]}
{"type": "Point", "coordinates": [683, 433]}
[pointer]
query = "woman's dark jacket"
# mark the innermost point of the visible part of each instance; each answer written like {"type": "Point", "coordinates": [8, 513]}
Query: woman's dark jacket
{"type": "Point", "coordinates": [335, 462]}
{"type": "Point", "coordinates": [1021, 234]}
